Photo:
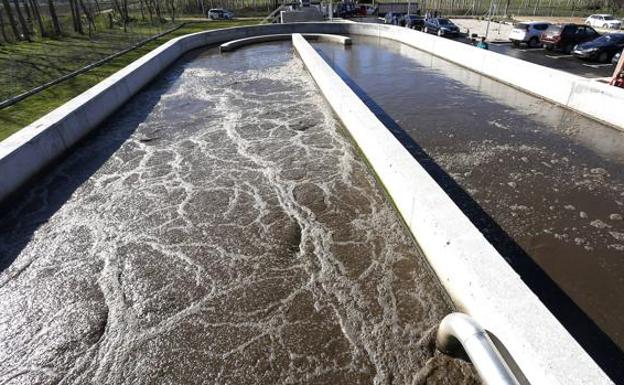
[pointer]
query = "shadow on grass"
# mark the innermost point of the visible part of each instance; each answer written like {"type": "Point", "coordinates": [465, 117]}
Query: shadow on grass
{"type": "Point", "coordinates": [598, 344]}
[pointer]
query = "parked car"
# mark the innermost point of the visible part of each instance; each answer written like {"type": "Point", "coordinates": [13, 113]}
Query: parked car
{"type": "Point", "coordinates": [392, 18]}
{"type": "Point", "coordinates": [366, 10]}
{"type": "Point", "coordinates": [563, 37]}
{"type": "Point", "coordinates": [346, 10]}
{"type": "Point", "coordinates": [442, 27]}
{"type": "Point", "coordinates": [220, 14]}
{"type": "Point", "coordinates": [528, 33]}
{"type": "Point", "coordinates": [601, 49]}
{"type": "Point", "coordinates": [616, 58]}
{"type": "Point", "coordinates": [603, 21]}
{"type": "Point", "coordinates": [412, 21]}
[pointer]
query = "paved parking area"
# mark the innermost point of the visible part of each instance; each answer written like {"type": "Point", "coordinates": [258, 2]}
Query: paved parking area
{"type": "Point", "coordinates": [555, 60]}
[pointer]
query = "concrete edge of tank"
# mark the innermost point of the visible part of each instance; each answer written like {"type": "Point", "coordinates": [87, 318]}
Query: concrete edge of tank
{"type": "Point", "coordinates": [475, 275]}
{"type": "Point", "coordinates": [238, 43]}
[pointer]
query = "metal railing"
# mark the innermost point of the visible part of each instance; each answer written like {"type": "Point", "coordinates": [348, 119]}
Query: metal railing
{"type": "Point", "coordinates": [460, 334]}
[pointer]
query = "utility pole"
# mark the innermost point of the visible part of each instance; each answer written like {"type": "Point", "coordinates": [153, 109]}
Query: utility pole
{"type": "Point", "coordinates": [487, 28]}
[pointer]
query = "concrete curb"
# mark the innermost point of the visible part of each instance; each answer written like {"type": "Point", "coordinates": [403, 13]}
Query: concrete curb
{"type": "Point", "coordinates": [235, 44]}
{"type": "Point", "coordinates": [475, 275]}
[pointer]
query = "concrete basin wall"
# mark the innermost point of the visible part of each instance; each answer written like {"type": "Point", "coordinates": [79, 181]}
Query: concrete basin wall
{"type": "Point", "coordinates": [478, 279]}
{"type": "Point", "coordinates": [235, 44]}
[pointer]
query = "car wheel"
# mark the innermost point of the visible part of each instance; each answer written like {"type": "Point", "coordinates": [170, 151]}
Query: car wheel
{"type": "Point", "coordinates": [533, 42]}
{"type": "Point", "coordinates": [603, 57]}
{"type": "Point", "coordinates": [440, 33]}
{"type": "Point", "coordinates": [568, 49]}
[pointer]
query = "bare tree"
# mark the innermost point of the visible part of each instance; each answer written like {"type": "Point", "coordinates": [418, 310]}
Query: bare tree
{"type": "Point", "coordinates": [4, 35]}
{"type": "Point", "coordinates": [35, 9]}
{"type": "Point", "coordinates": [7, 9]}
{"type": "Point", "coordinates": [22, 21]}
{"type": "Point", "coordinates": [89, 15]}
{"type": "Point", "coordinates": [55, 21]}
{"type": "Point", "coordinates": [172, 9]}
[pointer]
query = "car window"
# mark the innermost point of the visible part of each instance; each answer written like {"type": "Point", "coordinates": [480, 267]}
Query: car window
{"type": "Point", "coordinates": [608, 18]}
{"type": "Point", "coordinates": [541, 27]}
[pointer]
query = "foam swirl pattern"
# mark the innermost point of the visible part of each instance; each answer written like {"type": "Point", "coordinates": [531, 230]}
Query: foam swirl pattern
{"type": "Point", "coordinates": [219, 229]}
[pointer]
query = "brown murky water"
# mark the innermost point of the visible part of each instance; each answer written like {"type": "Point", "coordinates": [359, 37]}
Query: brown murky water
{"type": "Point", "coordinates": [220, 229]}
{"type": "Point", "coordinates": [551, 179]}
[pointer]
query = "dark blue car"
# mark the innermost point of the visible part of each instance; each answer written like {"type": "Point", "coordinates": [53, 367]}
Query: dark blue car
{"type": "Point", "coordinates": [601, 49]}
{"type": "Point", "coordinates": [441, 27]}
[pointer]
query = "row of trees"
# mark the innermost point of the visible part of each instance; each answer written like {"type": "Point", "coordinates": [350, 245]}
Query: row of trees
{"type": "Point", "coordinates": [24, 20]}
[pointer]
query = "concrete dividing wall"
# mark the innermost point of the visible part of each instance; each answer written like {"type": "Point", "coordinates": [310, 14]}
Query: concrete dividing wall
{"type": "Point", "coordinates": [235, 44]}
{"type": "Point", "coordinates": [478, 279]}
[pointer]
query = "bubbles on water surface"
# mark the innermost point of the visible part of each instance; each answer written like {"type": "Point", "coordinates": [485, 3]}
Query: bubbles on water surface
{"type": "Point", "coordinates": [219, 229]}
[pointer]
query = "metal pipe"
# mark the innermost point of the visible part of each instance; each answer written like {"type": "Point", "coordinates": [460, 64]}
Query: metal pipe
{"type": "Point", "coordinates": [460, 334]}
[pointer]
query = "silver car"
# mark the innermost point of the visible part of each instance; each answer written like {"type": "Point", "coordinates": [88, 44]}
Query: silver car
{"type": "Point", "coordinates": [220, 14]}
{"type": "Point", "coordinates": [528, 33]}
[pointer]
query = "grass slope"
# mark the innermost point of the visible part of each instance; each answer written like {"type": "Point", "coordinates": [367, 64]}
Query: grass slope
{"type": "Point", "coordinates": [58, 55]}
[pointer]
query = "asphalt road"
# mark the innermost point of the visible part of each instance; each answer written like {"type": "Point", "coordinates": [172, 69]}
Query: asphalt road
{"type": "Point", "coordinates": [555, 60]}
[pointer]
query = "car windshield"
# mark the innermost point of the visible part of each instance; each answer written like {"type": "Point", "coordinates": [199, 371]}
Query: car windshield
{"type": "Point", "coordinates": [444, 21]}
{"type": "Point", "coordinates": [521, 26]}
{"type": "Point", "coordinates": [555, 28]}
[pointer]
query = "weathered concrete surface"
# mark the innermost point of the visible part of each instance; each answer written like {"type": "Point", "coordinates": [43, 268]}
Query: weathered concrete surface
{"type": "Point", "coordinates": [475, 275]}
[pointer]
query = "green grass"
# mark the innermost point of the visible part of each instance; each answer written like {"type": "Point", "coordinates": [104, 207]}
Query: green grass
{"type": "Point", "coordinates": [30, 109]}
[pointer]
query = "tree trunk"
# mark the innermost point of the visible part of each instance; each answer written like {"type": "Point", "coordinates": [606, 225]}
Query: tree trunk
{"type": "Point", "coordinates": [7, 9]}
{"type": "Point", "coordinates": [78, 18]}
{"type": "Point", "coordinates": [87, 12]}
{"type": "Point", "coordinates": [4, 36]}
{"type": "Point", "coordinates": [22, 21]}
{"type": "Point", "coordinates": [73, 14]}
{"type": "Point", "coordinates": [35, 8]}
{"type": "Point", "coordinates": [55, 22]}
{"type": "Point", "coordinates": [29, 17]}
{"type": "Point", "coordinates": [125, 15]}
{"type": "Point", "coordinates": [172, 10]}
